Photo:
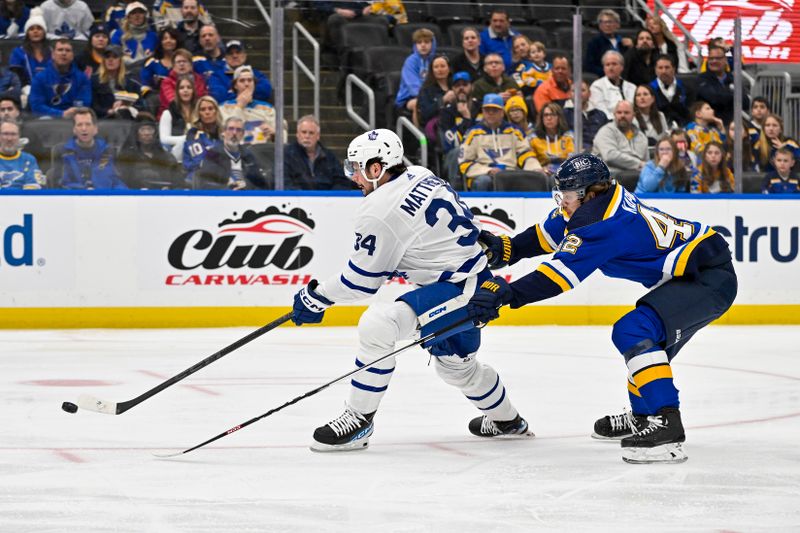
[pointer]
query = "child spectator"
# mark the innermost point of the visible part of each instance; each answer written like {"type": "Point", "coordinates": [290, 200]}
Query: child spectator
{"type": "Point", "coordinates": [175, 120]}
{"type": "Point", "coordinates": [517, 114]}
{"type": "Point", "coordinates": [759, 109]}
{"type": "Point", "coordinates": [552, 141]}
{"type": "Point", "coordinates": [89, 61]}
{"type": "Point", "coordinates": [782, 180]}
{"type": "Point", "coordinates": [704, 128]}
{"type": "Point", "coordinates": [13, 16]}
{"type": "Point", "coordinates": [541, 71]}
{"type": "Point", "coordinates": [470, 59]}
{"type": "Point", "coordinates": [414, 70]}
{"type": "Point", "coordinates": [771, 139]}
{"type": "Point", "coordinates": [651, 121]}
{"type": "Point", "coordinates": [68, 19]}
{"type": "Point", "coordinates": [435, 94]}
{"type": "Point", "coordinates": [115, 94]}
{"type": "Point", "coordinates": [204, 132]}
{"type": "Point", "coordinates": [135, 35]}
{"type": "Point", "coordinates": [681, 140]}
{"type": "Point", "coordinates": [32, 56]}
{"type": "Point", "coordinates": [666, 172]}
{"type": "Point", "coordinates": [713, 176]}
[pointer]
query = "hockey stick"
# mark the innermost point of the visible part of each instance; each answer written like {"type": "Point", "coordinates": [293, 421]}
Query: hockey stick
{"type": "Point", "coordinates": [90, 403]}
{"type": "Point", "coordinates": [293, 401]}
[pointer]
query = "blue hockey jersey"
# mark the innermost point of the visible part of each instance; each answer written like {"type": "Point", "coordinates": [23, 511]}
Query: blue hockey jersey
{"type": "Point", "coordinates": [620, 236]}
{"type": "Point", "coordinates": [20, 171]}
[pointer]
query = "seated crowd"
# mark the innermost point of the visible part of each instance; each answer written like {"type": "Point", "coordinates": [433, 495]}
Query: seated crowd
{"type": "Point", "coordinates": [200, 117]}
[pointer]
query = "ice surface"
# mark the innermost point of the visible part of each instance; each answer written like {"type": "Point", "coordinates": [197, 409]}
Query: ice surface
{"type": "Point", "coordinates": [92, 472]}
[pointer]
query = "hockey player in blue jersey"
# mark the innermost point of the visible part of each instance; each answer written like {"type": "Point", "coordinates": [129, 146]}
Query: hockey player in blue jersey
{"type": "Point", "coordinates": [410, 224]}
{"type": "Point", "coordinates": [600, 226]}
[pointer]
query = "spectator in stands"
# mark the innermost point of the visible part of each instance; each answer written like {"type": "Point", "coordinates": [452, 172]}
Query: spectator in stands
{"type": "Point", "coordinates": [455, 119]}
{"type": "Point", "coordinates": [13, 16]}
{"type": "Point", "coordinates": [435, 94]}
{"type": "Point", "coordinates": [771, 139]}
{"type": "Point", "coordinates": [85, 161]}
{"type": "Point", "coordinates": [681, 140]}
{"type": "Point", "coordinates": [135, 36]}
{"type": "Point", "coordinates": [115, 94]}
{"type": "Point", "coordinates": [470, 59]}
{"type": "Point", "coordinates": [492, 145]}
{"type": "Point", "coordinates": [205, 130]}
{"type": "Point", "coordinates": [143, 163]}
{"type": "Point", "coordinates": [61, 89]}
{"type": "Point", "coordinates": [552, 141]}
{"type": "Point", "coordinates": [170, 12]}
{"type": "Point", "coordinates": [9, 83]}
{"type": "Point", "coordinates": [10, 109]}
{"type": "Point", "coordinates": [338, 14]}
{"type": "Point", "coordinates": [32, 57]}
{"type": "Point", "coordinates": [672, 97]}
{"type": "Point", "coordinates": [749, 161]}
{"type": "Point", "coordinates": [415, 68]}
{"type": "Point", "coordinates": [593, 119]}
{"type": "Point", "coordinates": [115, 13]}
{"type": "Point", "coordinates": [649, 119]}
{"type": "Point", "coordinates": [89, 60]}
{"type": "Point", "coordinates": [175, 120]}
{"type": "Point", "coordinates": [235, 57]}
{"type": "Point", "coordinates": [498, 37]}
{"type": "Point", "coordinates": [494, 80]}
{"type": "Point", "coordinates": [556, 89]}
{"type": "Point", "coordinates": [158, 67]}
{"type": "Point", "coordinates": [190, 25]}
{"type": "Point", "coordinates": [715, 86]}
{"type": "Point", "coordinates": [782, 180]}
{"type": "Point", "coordinates": [704, 128]}
{"type": "Point", "coordinates": [520, 54]}
{"type": "Point", "coordinates": [611, 88]}
{"type": "Point", "coordinates": [18, 169]}
{"type": "Point", "coordinates": [68, 19]}
{"type": "Point", "coordinates": [308, 165]}
{"type": "Point", "coordinates": [727, 47]}
{"type": "Point", "coordinates": [230, 164]}
{"type": "Point", "coordinates": [608, 22]}
{"type": "Point", "coordinates": [211, 64]}
{"type": "Point", "coordinates": [640, 61]}
{"type": "Point", "coordinates": [181, 65]}
{"type": "Point", "coordinates": [713, 176]}
{"type": "Point", "coordinates": [517, 114]}
{"type": "Point", "coordinates": [665, 172]}
{"type": "Point", "coordinates": [666, 43]}
{"type": "Point", "coordinates": [621, 143]}
{"type": "Point", "coordinates": [759, 109]}
{"type": "Point", "coordinates": [393, 10]}
{"type": "Point", "coordinates": [540, 70]}
{"type": "Point", "coordinates": [258, 116]}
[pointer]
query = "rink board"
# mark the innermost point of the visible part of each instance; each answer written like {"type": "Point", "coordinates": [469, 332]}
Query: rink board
{"type": "Point", "coordinates": [179, 260]}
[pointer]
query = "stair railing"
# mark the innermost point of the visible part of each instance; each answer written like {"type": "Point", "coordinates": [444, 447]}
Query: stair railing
{"type": "Point", "coordinates": [260, 7]}
{"type": "Point", "coordinates": [298, 64]}
{"type": "Point", "coordinates": [404, 124]}
{"type": "Point", "coordinates": [351, 80]}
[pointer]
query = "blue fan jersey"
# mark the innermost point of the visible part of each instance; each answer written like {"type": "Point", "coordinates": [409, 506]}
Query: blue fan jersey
{"type": "Point", "coordinates": [620, 236]}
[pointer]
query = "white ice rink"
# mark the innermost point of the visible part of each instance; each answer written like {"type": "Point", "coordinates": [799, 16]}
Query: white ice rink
{"type": "Point", "coordinates": [88, 472]}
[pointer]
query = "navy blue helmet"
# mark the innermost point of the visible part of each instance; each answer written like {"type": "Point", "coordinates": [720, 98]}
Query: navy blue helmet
{"type": "Point", "coordinates": [579, 172]}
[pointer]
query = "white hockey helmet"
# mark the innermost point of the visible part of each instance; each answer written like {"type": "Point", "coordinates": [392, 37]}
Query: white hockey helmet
{"type": "Point", "coordinates": [381, 144]}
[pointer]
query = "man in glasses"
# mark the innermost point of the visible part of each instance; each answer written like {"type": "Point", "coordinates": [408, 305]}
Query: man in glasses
{"type": "Point", "coordinates": [230, 164]}
{"type": "Point", "coordinates": [608, 22]}
{"type": "Point", "coordinates": [715, 85]}
{"type": "Point", "coordinates": [687, 266]}
{"type": "Point", "coordinates": [410, 225]}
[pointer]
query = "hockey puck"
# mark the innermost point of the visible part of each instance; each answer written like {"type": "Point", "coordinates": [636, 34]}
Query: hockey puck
{"type": "Point", "coordinates": [69, 407]}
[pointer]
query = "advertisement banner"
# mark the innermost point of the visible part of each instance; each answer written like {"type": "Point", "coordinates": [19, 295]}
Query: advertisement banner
{"type": "Point", "coordinates": [770, 28]}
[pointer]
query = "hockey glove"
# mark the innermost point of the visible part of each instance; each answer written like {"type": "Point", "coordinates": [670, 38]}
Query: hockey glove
{"type": "Point", "coordinates": [497, 248]}
{"type": "Point", "coordinates": [486, 302]}
{"type": "Point", "coordinates": [309, 307]}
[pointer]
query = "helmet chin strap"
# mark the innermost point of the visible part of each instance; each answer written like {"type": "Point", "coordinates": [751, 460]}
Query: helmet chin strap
{"type": "Point", "coordinates": [374, 181]}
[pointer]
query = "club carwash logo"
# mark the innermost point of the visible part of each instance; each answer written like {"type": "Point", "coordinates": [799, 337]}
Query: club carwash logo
{"type": "Point", "coordinates": [245, 244]}
{"type": "Point", "coordinates": [768, 26]}
{"type": "Point", "coordinates": [497, 221]}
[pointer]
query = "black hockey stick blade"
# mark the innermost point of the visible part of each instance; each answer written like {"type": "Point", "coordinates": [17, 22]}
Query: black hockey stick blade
{"type": "Point", "coordinates": [322, 387]}
{"type": "Point", "coordinates": [90, 403]}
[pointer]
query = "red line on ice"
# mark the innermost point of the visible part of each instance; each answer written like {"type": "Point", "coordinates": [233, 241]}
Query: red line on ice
{"type": "Point", "coordinates": [69, 456]}
{"type": "Point", "coordinates": [195, 387]}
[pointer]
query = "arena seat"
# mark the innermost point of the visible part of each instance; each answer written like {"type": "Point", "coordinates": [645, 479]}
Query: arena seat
{"type": "Point", "coordinates": [448, 12]}
{"type": "Point", "coordinates": [521, 181]}
{"type": "Point", "coordinates": [43, 135]}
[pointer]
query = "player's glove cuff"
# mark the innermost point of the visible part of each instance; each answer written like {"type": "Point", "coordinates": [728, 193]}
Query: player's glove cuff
{"type": "Point", "coordinates": [498, 248]}
{"type": "Point", "coordinates": [485, 303]}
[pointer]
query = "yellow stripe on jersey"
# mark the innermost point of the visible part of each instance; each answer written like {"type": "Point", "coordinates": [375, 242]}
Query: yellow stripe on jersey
{"type": "Point", "coordinates": [555, 277]}
{"type": "Point", "coordinates": [683, 257]}
{"type": "Point", "coordinates": [634, 390]}
{"type": "Point", "coordinates": [648, 375]}
{"type": "Point", "coordinates": [543, 240]}
{"type": "Point", "coordinates": [524, 157]}
{"type": "Point", "coordinates": [473, 133]}
{"type": "Point", "coordinates": [612, 205]}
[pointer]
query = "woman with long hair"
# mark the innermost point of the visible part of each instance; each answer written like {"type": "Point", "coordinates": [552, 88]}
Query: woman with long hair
{"type": "Point", "coordinates": [650, 120]}
{"type": "Point", "coordinates": [206, 125]}
{"type": "Point", "coordinates": [175, 120]}
{"type": "Point", "coordinates": [713, 176]}
{"type": "Point", "coordinates": [157, 67]}
{"type": "Point", "coordinates": [32, 56]}
{"type": "Point", "coordinates": [436, 92]}
{"type": "Point", "coordinates": [113, 90]}
{"type": "Point", "coordinates": [666, 172]}
{"type": "Point", "coordinates": [552, 141]}
{"type": "Point", "coordinates": [770, 140]}
{"type": "Point", "coordinates": [666, 42]}
{"type": "Point", "coordinates": [13, 16]}
{"type": "Point", "coordinates": [470, 59]}
{"type": "Point", "coordinates": [640, 60]}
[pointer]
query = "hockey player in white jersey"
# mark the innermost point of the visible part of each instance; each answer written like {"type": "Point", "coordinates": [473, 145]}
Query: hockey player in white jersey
{"type": "Point", "coordinates": [410, 224]}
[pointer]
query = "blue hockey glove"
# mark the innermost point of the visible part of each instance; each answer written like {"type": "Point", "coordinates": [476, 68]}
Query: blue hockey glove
{"type": "Point", "coordinates": [309, 307]}
{"type": "Point", "coordinates": [496, 247]}
{"type": "Point", "coordinates": [486, 302]}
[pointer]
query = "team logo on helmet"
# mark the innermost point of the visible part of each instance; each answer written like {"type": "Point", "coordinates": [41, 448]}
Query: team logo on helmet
{"type": "Point", "coordinates": [372, 135]}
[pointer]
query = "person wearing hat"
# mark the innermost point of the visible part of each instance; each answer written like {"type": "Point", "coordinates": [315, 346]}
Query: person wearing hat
{"type": "Point", "coordinates": [136, 37]}
{"type": "Point", "coordinates": [258, 116]}
{"type": "Point", "coordinates": [92, 56]}
{"type": "Point", "coordinates": [61, 88]}
{"type": "Point", "coordinates": [33, 55]}
{"type": "Point", "coordinates": [13, 16]}
{"type": "Point", "coordinates": [493, 144]}
{"type": "Point", "coordinates": [517, 114]}
{"type": "Point", "coordinates": [455, 119]}
{"type": "Point", "coordinates": [114, 14]}
{"type": "Point", "coordinates": [70, 19]}
{"type": "Point", "coordinates": [235, 57]}
{"type": "Point", "coordinates": [190, 25]}
{"type": "Point", "coordinates": [115, 94]}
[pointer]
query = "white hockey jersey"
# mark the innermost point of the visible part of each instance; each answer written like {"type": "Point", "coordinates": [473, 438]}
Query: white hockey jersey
{"type": "Point", "coordinates": [414, 226]}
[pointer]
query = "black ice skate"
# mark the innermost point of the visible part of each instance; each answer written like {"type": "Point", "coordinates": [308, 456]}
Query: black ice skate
{"type": "Point", "coordinates": [659, 442]}
{"type": "Point", "coordinates": [483, 426]}
{"type": "Point", "coordinates": [347, 432]}
{"type": "Point", "coordinates": [616, 427]}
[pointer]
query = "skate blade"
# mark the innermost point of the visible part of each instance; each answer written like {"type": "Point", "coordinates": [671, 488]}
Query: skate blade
{"type": "Point", "coordinates": [319, 447]}
{"type": "Point", "coordinates": [597, 436]}
{"type": "Point", "coordinates": [666, 454]}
